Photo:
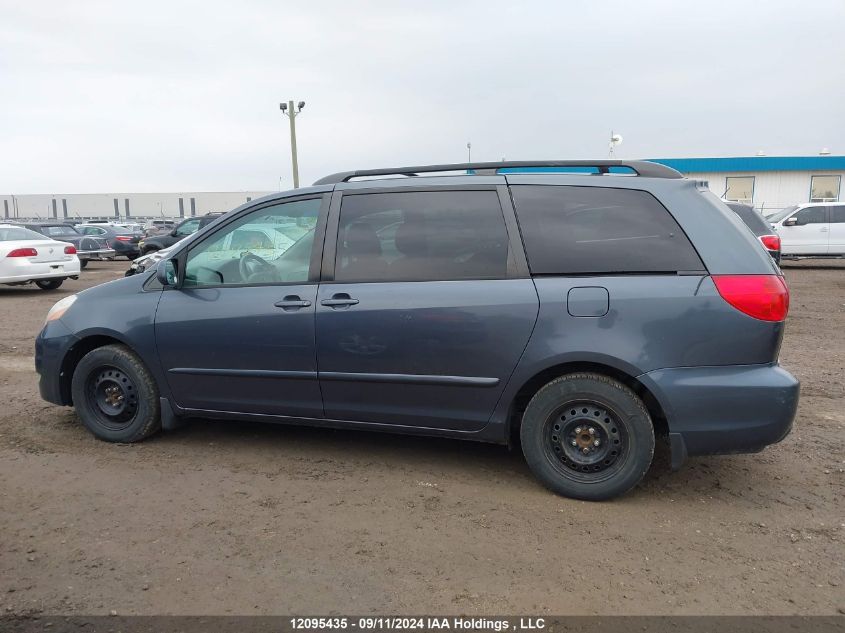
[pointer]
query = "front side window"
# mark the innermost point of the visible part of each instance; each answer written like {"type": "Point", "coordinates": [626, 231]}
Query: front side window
{"type": "Point", "coordinates": [421, 236]}
{"type": "Point", "coordinates": [597, 230]}
{"type": "Point", "coordinates": [811, 215]}
{"type": "Point", "coordinates": [824, 188]}
{"type": "Point", "coordinates": [271, 245]}
{"type": "Point", "coordinates": [739, 189]}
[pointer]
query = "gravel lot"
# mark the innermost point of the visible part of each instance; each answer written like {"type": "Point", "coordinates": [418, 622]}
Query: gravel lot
{"type": "Point", "coordinates": [233, 518]}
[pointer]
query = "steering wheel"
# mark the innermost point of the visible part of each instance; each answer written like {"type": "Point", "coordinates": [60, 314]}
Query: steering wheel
{"type": "Point", "coordinates": [252, 268]}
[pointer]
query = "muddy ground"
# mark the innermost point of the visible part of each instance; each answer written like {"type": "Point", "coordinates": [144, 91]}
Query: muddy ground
{"type": "Point", "coordinates": [233, 518]}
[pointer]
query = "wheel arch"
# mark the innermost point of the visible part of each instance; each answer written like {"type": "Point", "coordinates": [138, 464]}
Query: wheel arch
{"type": "Point", "coordinates": [532, 385]}
{"type": "Point", "coordinates": [75, 354]}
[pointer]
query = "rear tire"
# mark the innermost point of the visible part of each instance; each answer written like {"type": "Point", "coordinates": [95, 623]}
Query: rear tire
{"type": "Point", "coordinates": [49, 284]}
{"type": "Point", "coordinates": [83, 263]}
{"type": "Point", "coordinates": [587, 436]}
{"type": "Point", "coordinates": [115, 395]}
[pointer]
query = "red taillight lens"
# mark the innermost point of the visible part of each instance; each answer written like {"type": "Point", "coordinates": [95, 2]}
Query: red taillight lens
{"type": "Point", "coordinates": [772, 242]}
{"type": "Point", "coordinates": [764, 297]}
{"type": "Point", "coordinates": [23, 252]}
{"type": "Point", "coordinates": [70, 250]}
{"type": "Point", "coordinates": [123, 238]}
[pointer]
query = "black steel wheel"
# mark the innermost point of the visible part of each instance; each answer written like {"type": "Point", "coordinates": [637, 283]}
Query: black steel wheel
{"type": "Point", "coordinates": [115, 395]}
{"type": "Point", "coordinates": [587, 436]}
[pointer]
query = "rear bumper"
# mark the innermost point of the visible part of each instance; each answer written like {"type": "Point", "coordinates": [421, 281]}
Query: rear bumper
{"type": "Point", "coordinates": [31, 271]}
{"type": "Point", "coordinates": [731, 409]}
{"type": "Point", "coordinates": [105, 253]}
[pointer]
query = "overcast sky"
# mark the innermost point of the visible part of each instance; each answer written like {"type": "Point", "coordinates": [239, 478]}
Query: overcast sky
{"type": "Point", "coordinates": [184, 96]}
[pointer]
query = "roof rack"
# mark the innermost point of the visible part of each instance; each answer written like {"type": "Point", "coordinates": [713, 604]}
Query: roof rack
{"type": "Point", "coordinates": [641, 168]}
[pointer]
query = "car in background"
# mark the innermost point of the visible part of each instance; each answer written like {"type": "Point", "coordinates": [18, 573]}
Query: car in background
{"type": "Point", "coordinates": [157, 227]}
{"type": "Point", "coordinates": [759, 226]}
{"type": "Point", "coordinates": [179, 232]}
{"type": "Point", "coordinates": [88, 247]}
{"type": "Point", "coordinates": [146, 262]}
{"type": "Point", "coordinates": [812, 229]}
{"type": "Point", "coordinates": [122, 240]}
{"type": "Point", "coordinates": [30, 257]}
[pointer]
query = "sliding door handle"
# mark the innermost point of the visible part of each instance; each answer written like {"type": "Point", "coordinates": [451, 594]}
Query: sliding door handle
{"type": "Point", "coordinates": [339, 300]}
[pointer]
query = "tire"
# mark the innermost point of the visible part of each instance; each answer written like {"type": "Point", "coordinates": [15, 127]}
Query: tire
{"type": "Point", "coordinates": [115, 395]}
{"type": "Point", "coordinates": [83, 263]}
{"type": "Point", "coordinates": [49, 284]}
{"type": "Point", "coordinates": [151, 249]}
{"type": "Point", "coordinates": [586, 408]}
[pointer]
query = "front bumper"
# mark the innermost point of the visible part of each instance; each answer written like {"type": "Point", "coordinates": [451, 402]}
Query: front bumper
{"type": "Point", "coordinates": [105, 253]}
{"type": "Point", "coordinates": [51, 347]}
{"type": "Point", "coordinates": [730, 409]}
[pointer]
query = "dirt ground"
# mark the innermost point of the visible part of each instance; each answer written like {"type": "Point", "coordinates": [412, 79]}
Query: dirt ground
{"type": "Point", "coordinates": [233, 518]}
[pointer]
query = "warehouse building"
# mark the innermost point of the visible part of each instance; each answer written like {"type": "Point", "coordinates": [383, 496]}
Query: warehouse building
{"type": "Point", "coordinates": [770, 183]}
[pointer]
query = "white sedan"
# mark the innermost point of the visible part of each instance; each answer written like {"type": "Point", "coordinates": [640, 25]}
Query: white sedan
{"type": "Point", "coordinates": [27, 256]}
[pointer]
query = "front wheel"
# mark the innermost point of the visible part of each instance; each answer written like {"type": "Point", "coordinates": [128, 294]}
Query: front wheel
{"type": "Point", "coordinates": [587, 436]}
{"type": "Point", "coordinates": [115, 395]}
{"type": "Point", "coordinates": [49, 284]}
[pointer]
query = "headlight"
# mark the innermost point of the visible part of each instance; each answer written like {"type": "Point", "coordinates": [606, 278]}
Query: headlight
{"type": "Point", "coordinates": [61, 306]}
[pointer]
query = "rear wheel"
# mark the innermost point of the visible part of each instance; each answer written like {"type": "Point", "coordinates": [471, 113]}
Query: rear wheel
{"type": "Point", "coordinates": [49, 284]}
{"type": "Point", "coordinates": [115, 395]}
{"type": "Point", "coordinates": [587, 436]}
{"type": "Point", "coordinates": [83, 263]}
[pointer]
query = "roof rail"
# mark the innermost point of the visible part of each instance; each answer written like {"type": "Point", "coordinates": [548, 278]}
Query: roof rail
{"type": "Point", "coordinates": [639, 167]}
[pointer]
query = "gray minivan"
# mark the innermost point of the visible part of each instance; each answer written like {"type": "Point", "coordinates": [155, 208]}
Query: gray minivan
{"type": "Point", "coordinates": [581, 312]}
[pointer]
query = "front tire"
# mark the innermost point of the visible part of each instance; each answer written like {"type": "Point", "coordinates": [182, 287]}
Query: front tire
{"type": "Point", "coordinates": [115, 395]}
{"type": "Point", "coordinates": [49, 284]}
{"type": "Point", "coordinates": [587, 436]}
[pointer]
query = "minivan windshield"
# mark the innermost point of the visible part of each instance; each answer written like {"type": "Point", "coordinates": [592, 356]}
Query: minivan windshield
{"type": "Point", "coordinates": [780, 215]}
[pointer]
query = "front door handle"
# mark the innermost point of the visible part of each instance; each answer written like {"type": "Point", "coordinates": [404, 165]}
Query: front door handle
{"type": "Point", "coordinates": [292, 302]}
{"type": "Point", "coordinates": [339, 300]}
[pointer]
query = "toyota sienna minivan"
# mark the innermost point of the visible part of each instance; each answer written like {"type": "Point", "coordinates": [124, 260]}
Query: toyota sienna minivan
{"type": "Point", "coordinates": [579, 308]}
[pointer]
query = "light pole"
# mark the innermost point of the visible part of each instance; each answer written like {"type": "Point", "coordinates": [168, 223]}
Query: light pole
{"type": "Point", "coordinates": [469, 152]}
{"type": "Point", "coordinates": [291, 113]}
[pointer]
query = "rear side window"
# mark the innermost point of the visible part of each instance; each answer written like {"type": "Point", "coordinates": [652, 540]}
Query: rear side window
{"type": "Point", "coordinates": [579, 230]}
{"type": "Point", "coordinates": [421, 236]}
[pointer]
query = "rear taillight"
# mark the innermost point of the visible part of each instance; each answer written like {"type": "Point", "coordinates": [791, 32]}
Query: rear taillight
{"type": "Point", "coordinates": [23, 252]}
{"type": "Point", "coordinates": [763, 297]}
{"type": "Point", "coordinates": [771, 242]}
{"type": "Point", "coordinates": [70, 250]}
{"type": "Point", "coordinates": [123, 238]}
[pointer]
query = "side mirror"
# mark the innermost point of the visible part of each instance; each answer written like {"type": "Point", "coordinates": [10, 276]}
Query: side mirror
{"type": "Point", "coordinates": [791, 222]}
{"type": "Point", "coordinates": [166, 273]}
{"type": "Point", "coordinates": [173, 233]}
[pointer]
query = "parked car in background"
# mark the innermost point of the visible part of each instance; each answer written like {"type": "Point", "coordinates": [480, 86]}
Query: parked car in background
{"type": "Point", "coordinates": [88, 247]}
{"type": "Point", "coordinates": [813, 229]}
{"type": "Point", "coordinates": [122, 240]}
{"type": "Point", "coordinates": [584, 314]}
{"type": "Point", "coordinates": [30, 257]}
{"type": "Point", "coordinates": [759, 226]}
{"type": "Point", "coordinates": [145, 262]}
{"type": "Point", "coordinates": [157, 227]}
{"type": "Point", "coordinates": [180, 231]}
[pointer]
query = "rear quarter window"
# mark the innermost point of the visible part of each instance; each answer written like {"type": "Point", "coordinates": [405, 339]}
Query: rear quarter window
{"type": "Point", "coordinates": [595, 230]}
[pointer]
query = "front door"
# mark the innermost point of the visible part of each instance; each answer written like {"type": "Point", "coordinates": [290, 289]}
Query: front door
{"type": "Point", "coordinates": [238, 336]}
{"type": "Point", "coordinates": [808, 235]}
{"type": "Point", "coordinates": [427, 313]}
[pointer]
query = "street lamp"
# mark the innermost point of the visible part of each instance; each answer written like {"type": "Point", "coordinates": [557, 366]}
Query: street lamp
{"type": "Point", "coordinates": [291, 113]}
